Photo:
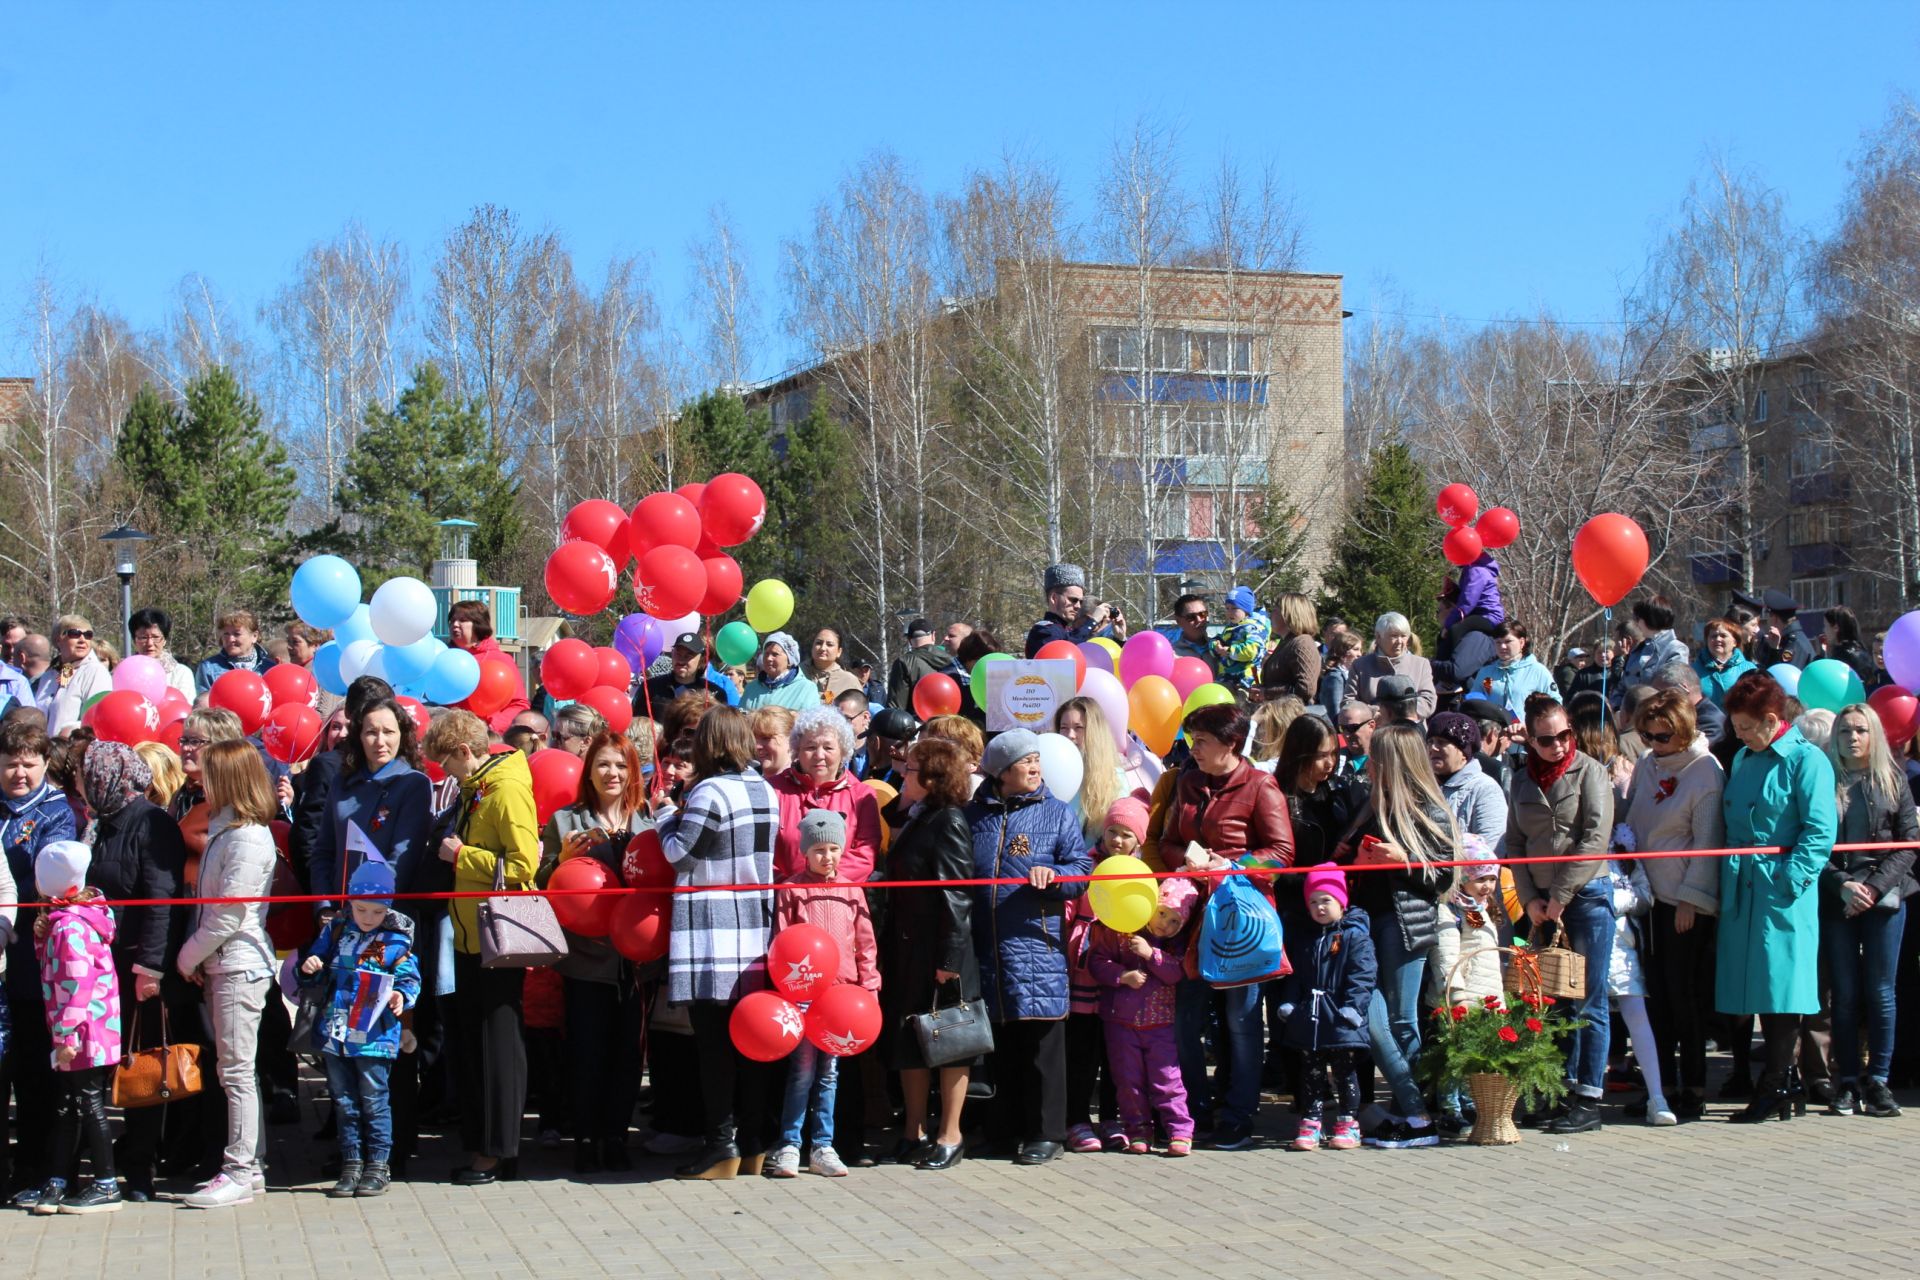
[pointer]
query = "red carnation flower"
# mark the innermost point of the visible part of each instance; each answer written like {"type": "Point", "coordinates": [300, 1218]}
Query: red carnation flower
{"type": "Point", "coordinates": [1490, 1001]}
{"type": "Point", "coordinates": [1548, 1000]}
{"type": "Point", "coordinates": [1509, 1034]}
{"type": "Point", "coordinates": [1533, 1024]}
{"type": "Point", "coordinates": [1459, 1012]}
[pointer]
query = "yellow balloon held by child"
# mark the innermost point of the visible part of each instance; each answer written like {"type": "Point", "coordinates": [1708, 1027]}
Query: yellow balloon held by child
{"type": "Point", "coordinates": [1124, 906]}
{"type": "Point", "coordinates": [769, 605]}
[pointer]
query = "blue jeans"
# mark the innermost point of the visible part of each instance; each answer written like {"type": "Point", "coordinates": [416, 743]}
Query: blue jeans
{"type": "Point", "coordinates": [1393, 1016]}
{"type": "Point", "coordinates": [361, 1101]}
{"type": "Point", "coordinates": [1588, 922]}
{"type": "Point", "coordinates": [1240, 1027]}
{"type": "Point", "coordinates": [813, 1078]}
{"type": "Point", "coordinates": [1863, 955]}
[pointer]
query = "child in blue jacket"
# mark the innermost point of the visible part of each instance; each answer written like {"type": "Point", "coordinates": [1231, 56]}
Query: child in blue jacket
{"type": "Point", "coordinates": [366, 955]}
{"type": "Point", "coordinates": [1327, 1009]}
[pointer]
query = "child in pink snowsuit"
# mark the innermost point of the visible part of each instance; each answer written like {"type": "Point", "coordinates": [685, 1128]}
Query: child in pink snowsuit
{"type": "Point", "coordinates": [82, 994]}
{"type": "Point", "coordinates": [1138, 974]}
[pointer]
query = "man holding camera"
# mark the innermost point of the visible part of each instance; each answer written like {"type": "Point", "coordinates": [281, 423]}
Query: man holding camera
{"type": "Point", "coordinates": [1067, 617]}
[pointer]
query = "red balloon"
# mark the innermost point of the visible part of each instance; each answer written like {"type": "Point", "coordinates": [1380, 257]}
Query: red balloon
{"type": "Point", "coordinates": [417, 711]}
{"type": "Point", "coordinates": [569, 668]}
{"type": "Point", "coordinates": [612, 704]}
{"type": "Point", "coordinates": [581, 577]}
{"type": "Point", "coordinates": [129, 717]}
{"type": "Point", "coordinates": [245, 694]}
{"type": "Point", "coordinates": [292, 733]}
{"type": "Point", "coordinates": [663, 520]}
{"type": "Point", "coordinates": [642, 924]}
{"type": "Point", "coordinates": [434, 772]}
{"type": "Point", "coordinates": [1457, 504]}
{"type": "Point", "coordinates": [646, 865]}
{"type": "Point", "coordinates": [732, 508]}
{"type": "Point", "coordinates": [844, 1019]}
{"type": "Point", "coordinates": [937, 694]}
{"type": "Point", "coordinates": [1462, 546]}
{"type": "Point", "coordinates": [1189, 673]}
{"type": "Point", "coordinates": [1899, 713]}
{"type": "Point", "coordinates": [174, 706]}
{"type": "Point", "coordinates": [613, 671]}
{"type": "Point", "coordinates": [602, 523]}
{"type": "Point", "coordinates": [287, 683]}
{"type": "Point", "coordinates": [556, 780]}
{"type": "Point", "coordinates": [803, 961]}
{"type": "Point", "coordinates": [670, 582]}
{"type": "Point", "coordinates": [693, 493]}
{"type": "Point", "coordinates": [588, 914]}
{"type": "Point", "coordinates": [169, 735]}
{"type": "Point", "coordinates": [1498, 527]}
{"type": "Point", "coordinates": [1068, 649]}
{"type": "Point", "coordinates": [1610, 556]}
{"type": "Point", "coordinates": [499, 685]}
{"type": "Point", "coordinates": [765, 1027]}
{"type": "Point", "coordinates": [723, 583]}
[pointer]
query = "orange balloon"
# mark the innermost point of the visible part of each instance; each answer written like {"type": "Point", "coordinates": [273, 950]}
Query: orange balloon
{"type": "Point", "coordinates": [1153, 712]}
{"type": "Point", "coordinates": [1610, 555]}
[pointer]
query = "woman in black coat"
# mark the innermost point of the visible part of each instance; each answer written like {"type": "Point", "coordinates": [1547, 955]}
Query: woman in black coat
{"type": "Point", "coordinates": [926, 944]}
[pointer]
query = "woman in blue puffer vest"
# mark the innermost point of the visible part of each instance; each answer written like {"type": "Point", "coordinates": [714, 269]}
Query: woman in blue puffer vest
{"type": "Point", "coordinates": [1514, 675]}
{"type": "Point", "coordinates": [1020, 830]}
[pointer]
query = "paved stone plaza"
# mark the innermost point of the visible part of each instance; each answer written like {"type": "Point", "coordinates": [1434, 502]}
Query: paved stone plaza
{"type": "Point", "coordinates": [1816, 1196]}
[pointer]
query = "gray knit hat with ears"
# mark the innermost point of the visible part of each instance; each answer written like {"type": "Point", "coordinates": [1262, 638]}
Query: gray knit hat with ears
{"type": "Point", "coordinates": [822, 826]}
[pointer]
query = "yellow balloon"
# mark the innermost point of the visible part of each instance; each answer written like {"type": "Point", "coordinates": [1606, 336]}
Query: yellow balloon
{"type": "Point", "coordinates": [1111, 648]}
{"type": "Point", "coordinates": [769, 605]}
{"type": "Point", "coordinates": [1206, 695]}
{"type": "Point", "coordinates": [1124, 906]}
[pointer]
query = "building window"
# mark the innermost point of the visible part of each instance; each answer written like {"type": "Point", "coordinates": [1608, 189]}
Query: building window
{"type": "Point", "coordinates": [1760, 406]}
{"type": "Point", "coordinates": [1818, 525]}
{"type": "Point", "coordinates": [1200, 522]}
{"type": "Point", "coordinates": [1812, 456]}
{"type": "Point", "coordinates": [1170, 515]}
{"type": "Point", "coordinates": [1819, 593]}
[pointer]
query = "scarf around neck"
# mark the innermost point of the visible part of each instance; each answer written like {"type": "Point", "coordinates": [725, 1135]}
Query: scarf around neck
{"type": "Point", "coordinates": [1545, 775]}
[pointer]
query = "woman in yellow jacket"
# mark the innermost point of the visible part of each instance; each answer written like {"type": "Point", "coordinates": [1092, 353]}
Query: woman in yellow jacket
{"type": "Point", "coordinates": [494, 822]}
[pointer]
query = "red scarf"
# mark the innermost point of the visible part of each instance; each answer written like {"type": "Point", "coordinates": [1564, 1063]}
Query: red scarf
{"type": "Point", "coordinates": [1545, 775]}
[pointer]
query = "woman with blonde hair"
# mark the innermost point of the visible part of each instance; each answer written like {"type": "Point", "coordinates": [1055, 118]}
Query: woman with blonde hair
{"type": "Point", "coordinates": [1081, 722]}
{"type": "Point", "coordinates": [168, 777]}
{"type": "Point", "coordinates": [772, 729]}
{"type": "Point", "coordinates": [1407, 823]}
{"type": "Point", "coordinates": [1271, 720]}
{"type": "Point", "coordinates": [1293, 668]}
{"type": "Point", "coordinates": [229, 953]}
{"type": "Point", "coordinates": [1863, 910]}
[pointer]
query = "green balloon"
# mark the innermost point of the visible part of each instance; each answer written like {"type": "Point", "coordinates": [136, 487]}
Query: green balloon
{"type": "Point", "coordinates": [1206, 695]}
{"type": "Point", "coordinates": [736, 644]}
{"type": "Point", "coordinates": [88, 705]}
{"type": "Point", "coordinates": [977, 680]}
{"type": "Point", "coordinates": [1829, 684]}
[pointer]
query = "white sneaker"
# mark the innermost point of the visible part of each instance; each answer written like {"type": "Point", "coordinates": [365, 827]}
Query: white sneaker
{"type": "Point", "coordinates": [1659, 1113]}
{"type": "Point", "coordinates": [826, 1163]}
{"type": "Point", "coordinates": [220, 1193]}
{"type": "Point", "coordinates": [670, 1144]}
{"type": "Point", "coordinates": [784, 1163]}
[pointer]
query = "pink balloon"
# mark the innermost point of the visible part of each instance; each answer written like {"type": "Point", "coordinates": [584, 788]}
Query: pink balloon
{"type": "Point", "coordinates": [1098, 659]}
{"type": "Point", "coordinates": [1146, 653]}
{"type": "Point", "coordinates": [1104, 688]}
{"type": "Point", "coordinates": [142, 675]}
{"type": "Point", "coordinates": [1189, 674]}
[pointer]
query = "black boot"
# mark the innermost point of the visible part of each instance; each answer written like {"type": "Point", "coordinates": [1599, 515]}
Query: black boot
{"type": "Point", "coordinates": [614, 1156]}
{"type": "Point", "coordinates": [349, 1181]}
{"type": "Point", "coordinates": [586, 1156]}
{"type": "Point", "coordinates": [374, 1179]}
{"type": "Point", "coordinates": [718, 1160]}
{"type": "Point", "coordinates": [1770, 1102]}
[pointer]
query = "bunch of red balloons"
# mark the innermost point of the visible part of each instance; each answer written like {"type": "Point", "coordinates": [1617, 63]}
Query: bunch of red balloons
{"type": "Point", "coordinates": [675, 542]}
{"type": "Point", "coordinates": [630, 907]}
{"type": "Point", "coordinates": [840, 1018]}
{"type": "Point", "coordinates": [1467, 537]}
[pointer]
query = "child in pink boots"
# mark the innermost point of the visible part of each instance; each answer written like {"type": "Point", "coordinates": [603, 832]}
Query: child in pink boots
{"type": "Point", "coordinates": [1138, 973]}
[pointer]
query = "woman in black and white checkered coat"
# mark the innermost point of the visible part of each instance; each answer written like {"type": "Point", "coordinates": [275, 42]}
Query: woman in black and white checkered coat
{"type": "Point", "coordinates": [722, 835]}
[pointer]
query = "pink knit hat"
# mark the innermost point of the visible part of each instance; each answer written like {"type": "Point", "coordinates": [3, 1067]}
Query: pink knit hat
{"type": "Point", "coordinates": [1178, 894]}
{"type": "Point", "coordinates": [1328, 879]}
{"type": "Point", "coordinates": [1129, 813]}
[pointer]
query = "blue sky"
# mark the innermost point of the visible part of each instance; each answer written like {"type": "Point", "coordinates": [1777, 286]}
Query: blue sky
{"type": "Point", "coordinates": [1486, 159]}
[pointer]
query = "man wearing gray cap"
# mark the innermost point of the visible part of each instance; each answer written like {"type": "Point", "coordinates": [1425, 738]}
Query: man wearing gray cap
{"type": "Point", "coordinates": [1066, 617]}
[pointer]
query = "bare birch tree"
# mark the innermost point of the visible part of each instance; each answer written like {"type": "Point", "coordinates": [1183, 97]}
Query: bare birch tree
{"type": "Point", "coordinates": [722, 304]}
{"type": "Point", "coordinates": [476, 320]}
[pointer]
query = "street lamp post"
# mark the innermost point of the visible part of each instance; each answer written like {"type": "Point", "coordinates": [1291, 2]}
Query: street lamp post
{"type": "Point", "coordinates": [126, 542]}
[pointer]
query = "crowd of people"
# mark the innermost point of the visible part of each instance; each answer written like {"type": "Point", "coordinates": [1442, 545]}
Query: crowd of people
{"type": "Point", "coordinates": [1370, 791]}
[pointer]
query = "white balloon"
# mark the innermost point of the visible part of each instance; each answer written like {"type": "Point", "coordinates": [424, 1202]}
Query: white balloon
{"type": "Point", "coordinates": [1061, 766]}
{"type": "Point", "coordinates": [402, 610]}
{"type": "Point", "coordinates": [680, 626]}
{"type": "Point", "coordinates": [355, 657]}
{"type": "Point", "coordinates": [377, 665]}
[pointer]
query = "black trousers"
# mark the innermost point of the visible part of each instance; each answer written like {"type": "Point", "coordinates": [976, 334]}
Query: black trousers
{"type": "Point", "coordinates": [734, 1090]}
{"type": "Point", "coordinates": [1680, 995]}
{"type": "Point", "coordinates": [1030, 1081]}
{"type": "Point", "coordinates": [82, 1118]}
{"type": "Point", "coordinates": [490, 1057]}
{"type": "Point", "coordinates": [1086, 1068]}
{"type": "Point", "coordinates": [1781, 1032]}
{"type": "Point", "coordinates": [602, 1054]}
{"type": "Point", "coordinates": [1330, 1075]}
{"type": "Point", "coordinates": [677, 1105]}
{"type": "Point", "coordinates": [27, 1075]}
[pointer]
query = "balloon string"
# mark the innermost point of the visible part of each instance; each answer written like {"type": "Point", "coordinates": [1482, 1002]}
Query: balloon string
{"type": "Point", "coordinates": [1001, 881]}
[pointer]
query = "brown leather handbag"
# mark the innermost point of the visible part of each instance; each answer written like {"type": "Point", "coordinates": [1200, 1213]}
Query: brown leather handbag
{"type": "Point", "coordinates": [151, 1077]}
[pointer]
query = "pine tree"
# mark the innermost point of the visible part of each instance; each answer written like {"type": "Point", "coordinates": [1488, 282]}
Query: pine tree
{"type": "Point", "coordinates": [1387, 556]}
{"type": "Point", "coordinates": [421, 462]}
{"type": "Point", "coordinates": [217, 490]}
{"type": "Point", "coordinates": [807, 513]}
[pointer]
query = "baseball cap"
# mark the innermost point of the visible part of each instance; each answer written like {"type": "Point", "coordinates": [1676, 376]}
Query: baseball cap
{"type": "Point", "coordinates": [919, 627]}
{"type": "Point", "coordinates": [690, 641]}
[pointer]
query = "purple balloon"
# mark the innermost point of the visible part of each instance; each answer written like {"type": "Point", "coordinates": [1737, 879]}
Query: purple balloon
{"type": "Point", "coordinates": [638, 639]}
{"type": "Point", "coordinates": [1146, 653]}
{"type": "Point", "coordinates": [1903, 649]}
{"type": "Point", "coordinates": [1098, 659]}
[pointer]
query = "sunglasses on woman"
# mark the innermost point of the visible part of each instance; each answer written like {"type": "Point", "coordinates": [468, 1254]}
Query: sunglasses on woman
{"type": "Point", "coordinates": [1550, 739]}
{"type": "Point", "coordinates": [74, 633]}
{"type": "Point", "coordinates": [1658, 739]}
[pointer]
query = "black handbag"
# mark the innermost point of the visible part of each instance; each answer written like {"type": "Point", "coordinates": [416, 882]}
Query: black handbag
{"type": "Point", "coordinates": [958, 1033]}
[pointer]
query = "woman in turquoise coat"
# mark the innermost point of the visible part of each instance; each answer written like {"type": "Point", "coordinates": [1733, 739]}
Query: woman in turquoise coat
{"type": "Point", "coordinates": [1780, 793]}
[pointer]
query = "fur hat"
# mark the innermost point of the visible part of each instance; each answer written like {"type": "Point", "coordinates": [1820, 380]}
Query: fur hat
{"type": "Point", "coordinates": [1328, 879]}
{"type": "Point", "coordinates": [822, 826]}
{"type": "Point", "coordinates": [1058, 577]}
{"type": "Point", "coordinates": [1130, 813]}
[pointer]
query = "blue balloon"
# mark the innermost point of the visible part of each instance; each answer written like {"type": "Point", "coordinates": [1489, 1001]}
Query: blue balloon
{"type": "Point", "coordinates": [1788, 677]}
{"type": "Point", "coordinates": [326, 668]}
{"type": "Point", "coordinates": [454, 675]}
{"type": "Point", "coordinates": [357, 625]}
{"type": "Point", "coordinates": [407, 663]}
{"type": "Point", "coordinates": [326, 589]}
